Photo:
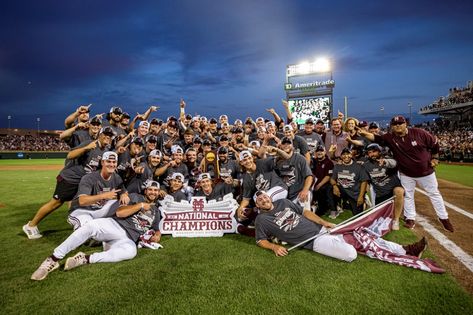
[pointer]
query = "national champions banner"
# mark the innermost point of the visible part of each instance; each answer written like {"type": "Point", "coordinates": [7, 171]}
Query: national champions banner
{"type": "Point", "coordinates": [198, 218]}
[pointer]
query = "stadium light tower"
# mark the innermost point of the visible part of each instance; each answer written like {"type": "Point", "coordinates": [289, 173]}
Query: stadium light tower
{"type": "Point", "coordinates": [319, 65]}
{"type": "Point", "coordinates": [38, 120]}
{"type": "Point", "coordinates": [9, 121]}
{"type": "Point", "coordinates": [410, 112]}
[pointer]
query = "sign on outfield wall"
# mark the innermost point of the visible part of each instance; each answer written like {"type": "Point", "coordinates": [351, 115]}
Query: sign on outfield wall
{"type": "Point", "coordinates": [198, 218]}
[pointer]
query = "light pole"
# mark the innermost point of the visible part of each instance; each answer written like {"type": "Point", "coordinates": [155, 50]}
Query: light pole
{"type": "Point", "coordinates": [410, 112]}
{"type": "Point", "coordinates": [9, 121]}
{"type": "Point", "coordinates": [382, 115]}
{"type": "Point", "coordinates": [38, 120]}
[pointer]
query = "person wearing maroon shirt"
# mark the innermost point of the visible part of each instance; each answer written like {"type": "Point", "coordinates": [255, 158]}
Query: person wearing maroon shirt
{"type": "Point", "coordinates": [416, 152]}
{"type": "Point", "coordinates": [322, 168]}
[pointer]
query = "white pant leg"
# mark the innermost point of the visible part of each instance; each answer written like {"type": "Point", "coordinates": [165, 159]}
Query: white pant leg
{"type": "Point", "coordinates": [391, 246]}
{"type": "Point", "coordinates": [373, 196]}
{"type": "Point", "coordinates": [334, 246]}
{"type": "Point", "coordinates": [277, 192]}
{"type": "Point", "coordinates": [304, 204]}
{"type": "Point", "coordinates": [409, 185]}
{"type": "Point", "coordinates": [430, 185]}
{"type": "Point", "coordinates": [118, 250]}
{"type": "Point", "coordinates": [101, 228]}
{"type": "Point", "coordinates": [80, 217]}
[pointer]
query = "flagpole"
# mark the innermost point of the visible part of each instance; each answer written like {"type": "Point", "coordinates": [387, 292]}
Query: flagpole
{"type": "Point", "coordinates": [340, 225]}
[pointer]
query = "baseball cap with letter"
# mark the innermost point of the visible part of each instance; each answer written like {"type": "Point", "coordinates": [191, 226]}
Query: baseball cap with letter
{"type": "Point", "coordinates": [151, 183]}
{"type": "Point", "coordinates": [109, 156]}
{"type": "Point", "coordinates": [398, 120]}
{"type": "Point", "coordinates": [245, 154]}
{"type": "Point", "coordinates": [204, 176]}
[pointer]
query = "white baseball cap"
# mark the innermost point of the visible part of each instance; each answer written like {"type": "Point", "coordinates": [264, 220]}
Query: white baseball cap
{"type": "Point", "coordinates": [109, 155]}
{"type": "Point", "coordinates": [178, 176]}
{"type": "Point", "coordinates": [244, 154]}
{"type": "Point", "coordinates": [204, 176]}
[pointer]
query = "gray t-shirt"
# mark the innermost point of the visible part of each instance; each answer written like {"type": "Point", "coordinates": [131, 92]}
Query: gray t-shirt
{"type": "Point", "coordinates": [264, 178]}
{"type": "Point", "coordinates": [79, 136]}
{"type": "Point", "coordinates": [140, 222]}
{"type": "Point", "coordinates": [286, 222]}
{"type": "Point", "coordinates": [231, 167]}
{"type": "Point", "coordinates": [134, 183]}
{"type": "Point", "coordinates": [85, 164]}
{"type": "Point", "coordinates": [382, 178]}
{"type": "Point", "coordinates": [293, 172]}
{"type": "Point", "coordinates": [313, 140]}
{"type": "Point", "coordinates": [300, 145]}
{"type": "Point", "coordinates": [349, 177]}
{"type": "Point", "coordinates": [95, 184]}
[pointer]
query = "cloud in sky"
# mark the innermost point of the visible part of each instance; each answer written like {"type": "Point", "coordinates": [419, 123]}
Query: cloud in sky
{"type": "Point", "coordinates": [224, 55]}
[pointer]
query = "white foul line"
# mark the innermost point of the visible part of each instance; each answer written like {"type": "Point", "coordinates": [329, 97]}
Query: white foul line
{"type": "Point", "coordinates": [456, 251]}
{"type": "Point", "coordinates": [448, 204]}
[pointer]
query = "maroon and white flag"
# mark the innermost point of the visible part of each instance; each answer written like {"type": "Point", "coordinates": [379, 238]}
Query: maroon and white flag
{"type": "Point", "coordinates": [364, 231]}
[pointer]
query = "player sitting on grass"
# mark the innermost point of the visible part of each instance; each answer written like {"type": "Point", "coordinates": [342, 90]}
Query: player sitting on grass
{"type": "Point", "coordinates": [119, 234]}
{"type": "Point", "coordinates": [290, 223]}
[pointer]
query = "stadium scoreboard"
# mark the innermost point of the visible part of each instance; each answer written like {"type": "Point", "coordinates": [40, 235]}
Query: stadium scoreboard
{"type": "Point", "coordinates": [309, 91]}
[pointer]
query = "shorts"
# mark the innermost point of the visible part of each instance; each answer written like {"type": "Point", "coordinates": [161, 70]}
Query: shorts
{"type": "Point", "coordinates": [395, 183]}
{"type": "Point", "coordinates": [64, 190]}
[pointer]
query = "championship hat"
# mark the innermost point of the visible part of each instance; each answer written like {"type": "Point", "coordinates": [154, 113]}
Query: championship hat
{"type": "Point", "coordinates": [109, 156]}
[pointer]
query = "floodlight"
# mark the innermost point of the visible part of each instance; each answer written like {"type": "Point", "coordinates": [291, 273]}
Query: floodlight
{"type": "Point", "coordinates": [303, 68]}
{"type": "Point", "coordinates": [322, 65]}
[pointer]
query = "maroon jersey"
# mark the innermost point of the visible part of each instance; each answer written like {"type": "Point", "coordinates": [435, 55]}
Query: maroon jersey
{"type": "Point", "coordinates": [413, 152]}
{"type": "Point", "coordinates": [323, 168]}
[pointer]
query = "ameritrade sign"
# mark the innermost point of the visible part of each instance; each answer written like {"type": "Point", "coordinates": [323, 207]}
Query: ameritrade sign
{"type": "Point", "coordinates": [198, 218]}
{"type": "Point", "coordinates": [309, 85]}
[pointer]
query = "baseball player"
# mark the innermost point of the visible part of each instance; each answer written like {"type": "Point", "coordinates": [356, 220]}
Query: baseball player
{"type": "Point", "coordinates": [119, 234]}
{"type": "Point", "coordinates": [290, 223]}
{"type": "Point", "coordinates": [97, 193]}
{"type": "Point", "coordinates": [349, 181]}
{"type": "Point", "coordinates": [80, 161]}
{"type": "Point", "coordinates": [383, 177]}
{"type": "Point", "coordinates": [259, 175]}
{"type": "Point", "coordinates": [416, 152]}
{"type": "Point", "coordinates": [295, 172]}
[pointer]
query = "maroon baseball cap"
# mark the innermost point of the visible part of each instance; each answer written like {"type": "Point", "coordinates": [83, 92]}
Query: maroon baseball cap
{"type": "Point", "coordinates": [363, 123]}
{"type": "Point", "coordinates": [398, 120]}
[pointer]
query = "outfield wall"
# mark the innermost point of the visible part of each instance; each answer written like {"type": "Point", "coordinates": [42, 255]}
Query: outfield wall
{"type": "Point", "coordinates": [24, 155]}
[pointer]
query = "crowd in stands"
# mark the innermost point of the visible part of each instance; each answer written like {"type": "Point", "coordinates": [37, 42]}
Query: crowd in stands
{"type": "Point", "coordinates": [455, 139]}
{"type": "Point", "coordinates": [456, 96]}
{"type": "Point", "coordinates": [32, 143]}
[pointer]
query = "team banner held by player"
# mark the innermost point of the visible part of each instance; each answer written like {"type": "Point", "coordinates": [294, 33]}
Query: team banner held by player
{"type": "Point", "coordinates": [363, 231]}
{"type": "Point", "coordinates": [198, 218]}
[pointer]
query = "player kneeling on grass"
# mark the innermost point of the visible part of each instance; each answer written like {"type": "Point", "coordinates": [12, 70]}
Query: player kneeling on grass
{"type": "Point", "coordinates": [119, 234]}
{"type": "Point", "coordinates": [383, 176]}
{"type": "Point", "coordinates": [290, 223]}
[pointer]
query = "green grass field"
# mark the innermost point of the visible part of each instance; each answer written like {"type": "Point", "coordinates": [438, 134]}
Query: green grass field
{"type": "Point", "coordinates": [228, 275]}
{"type": "Point", "coordinates": [460, 174]}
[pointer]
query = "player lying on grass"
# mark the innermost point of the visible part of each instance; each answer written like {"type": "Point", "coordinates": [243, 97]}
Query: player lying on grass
{"type": "Point", "coordinates": [289, 223]}
{"type": "Point", "coordinates": [119, 234]}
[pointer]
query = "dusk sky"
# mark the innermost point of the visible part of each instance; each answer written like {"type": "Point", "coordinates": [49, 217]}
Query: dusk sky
{"type": "Point", "coordinates": [225, 56]}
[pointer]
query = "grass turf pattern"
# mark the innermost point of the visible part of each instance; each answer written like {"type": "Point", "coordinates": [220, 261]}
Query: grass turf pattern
{"type": "Point", "coordinates": [203, 275]}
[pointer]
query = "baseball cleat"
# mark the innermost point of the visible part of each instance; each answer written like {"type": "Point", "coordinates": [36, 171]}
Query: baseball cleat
{"type": "Point", "coordinates": [447, 225]}
{"type": "Point", "coordinates": [416, 249]}
{"type": "Point", "coordinates": [44, 269]}
{"type": "Point", "coordinates": [77, 260]}
{"type": "Point", "coordinates": [410, 224]}
{"type": "Point", "coordinates": [31, 231]}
